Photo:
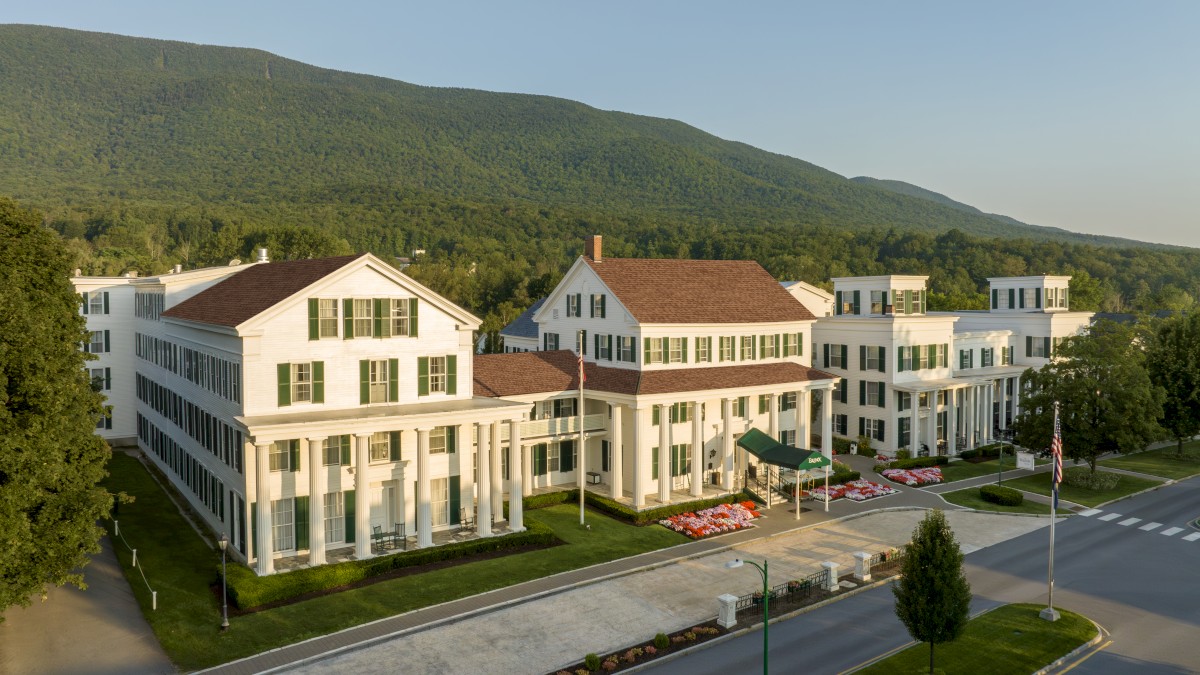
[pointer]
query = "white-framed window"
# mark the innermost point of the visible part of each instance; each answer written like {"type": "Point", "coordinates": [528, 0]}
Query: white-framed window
{"type": "Point", "coordinates": [675, 348]}
{"type": "Point", "coordinates": [747, 348]}
{"type": "Point", "coordinates": [839, 391]}
{"type": "Point", "coordinates": [439, 501]}
{"type": "Point", "coordinates": [378, 381]}
{"type": "Point", "coordinates": [726, 348]}
{"type": "Point", "coordinates": [791, 345]}
{"type": "Point", "coordinates": [788, 437]}
{"type": "Point", "coordinates": [437, 374]}
{"type": "Point", "coordinates": [335, 517]}
{"type": "Point", "coordinates": [874, 429]}
{"type": "Point", "coordinates": [602, 348]}
{"type": "Point", "coordinates": [703, 349]}
{"type": "Point", "coordinates": [96, 302]}
{"type": "Point", "coordinates": [873, 362]}
{"type": "Point", "coordinates": [553, 457]}
{"type": "Point", "coordinates": [918, 298]}
{"type": "Point", "coordinates": [768, 347]}
{"type": "Point", "coordinates": [331, 451]}
{"type": "Point", "coordinates": [364, 317]}
{"type": "Point", "coordinates": [839, 424]}
{"type": "Point", "coordinates": [96, 344]}
{"type": "Point", "coordinates": [573, 305]}
{"type": "Point", "coordinates": [903, 401]}
{"type": "Point", "coordinates": [281, 456]}
{"type": "Point", "coordinates": [1006, 356]}
{"type": "Point", "coordinates": [985, 357]}
{"type": "Point", "coordinates": [1038, 348]}
{"type": "Point", "coordinates": [550, 341]}
{"type": "Point", "coordinates": [438, 441]}
{"type": "Point", "coordinates": [99, 378]}
{"type": "Point", "coordinates": [681, 459]}
{"type": "Point", "coordinates": [398, 319]}
{"type": "Point", "coordinates": [741, 406]}
{"type": "Point", "coordinates": [965, 359]}
{"type": "Point", "coordinates": [656, 352]}
{"type": "Point", "coordinates": [301, 382]}
{"type": "Point", "coordinates": [878, 300]}
{"type": "Point", "coordinates": [787, 401]}
{"type": "Point", "coordinates": [835, 357]}
{"type": "Point", "coordinates": [381, 446]}
{"type": "Point", "coordinates": [598, 305]}
{"type": "Point", "coordinates": [1030, 297]}
{"type": "Point", "coordinates": [283, 525]}
{"type": "Point", "coordinates": [873, 391]}
{"type": "Point", "coordinates": [327, 317]}
{"type": "Point", "coordinates": [625, 348]}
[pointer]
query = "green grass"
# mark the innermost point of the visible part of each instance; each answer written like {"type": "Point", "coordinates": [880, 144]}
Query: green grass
{"type": "Point", "coordinates": [180, 566]}
{"type": "Point", "coordinates": [1040, 484]}
{"type": "Point", "coordinates": [1008, 639]}
{"type": "Point", "coordinates": [962, 470]}
{"type": "Point", "coordinates": [1162, 462]}
{"type": "Point", "coordinates": [970, 498]}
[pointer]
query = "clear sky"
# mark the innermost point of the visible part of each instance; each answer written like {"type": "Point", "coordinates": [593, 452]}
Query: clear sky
{"type": "Point", "coordinates": [1081, 114]}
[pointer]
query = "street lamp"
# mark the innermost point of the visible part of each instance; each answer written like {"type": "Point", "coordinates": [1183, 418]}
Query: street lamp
{"type": "Point", "coordinates": [766, 593]}
{"type": "Point", "coordinates": [224, 543]}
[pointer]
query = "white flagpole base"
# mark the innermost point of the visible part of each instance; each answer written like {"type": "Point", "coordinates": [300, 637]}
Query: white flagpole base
{"type": "Point", "coordinates": [1049, 614]}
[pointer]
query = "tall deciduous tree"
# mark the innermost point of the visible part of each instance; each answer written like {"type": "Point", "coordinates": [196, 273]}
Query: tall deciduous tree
{"type": "Point", "coordinates": [933, 598]}
{"type": "Point", "coordinates": [1173, 360]}
{"type": "Point", "coordinates": [1107, 401]}
{"type": "Point", "coordinates": [51, 462]}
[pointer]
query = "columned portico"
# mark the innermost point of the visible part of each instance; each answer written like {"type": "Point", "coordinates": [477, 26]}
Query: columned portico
{"type": "Point", "coordinates": [316, 502]}
{"type": "Point", "coordinates": [262, 497]}
{"type": "Point", "coordinates": [362, 493]}
{"type": "Point", "coordinates": [497, 471]}
{"type": "Point", "coordinates": [516, 469]}
{"type": "Point", "coordinates": [616, 451]}
{"type": "Point", "coordinates": [641, 472]}
{"type": "Point", "coordinates": [697, 450]}
{"type": "Point", "coordinates": [424, 514]}
{"type": "Point", "coordinates": [483, 440]}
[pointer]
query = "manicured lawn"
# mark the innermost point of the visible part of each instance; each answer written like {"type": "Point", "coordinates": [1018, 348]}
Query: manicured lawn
{"type": "Point", "coordinates": [970, 498]}
{"type": "Point", "coordinates": [961, 470]}
{"type": "Point", "coordinates": [1008, 639]}
{"type": "Point", "coordinates": [1162, 462]}
{"type": "Point", "coordinates": [180, 566]}
{"type": "Point", "coordinates": [1040, 483]}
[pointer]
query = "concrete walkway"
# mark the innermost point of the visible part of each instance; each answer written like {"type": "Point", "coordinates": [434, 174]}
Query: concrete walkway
{"type": "Point", "coordinates": [96, 631]}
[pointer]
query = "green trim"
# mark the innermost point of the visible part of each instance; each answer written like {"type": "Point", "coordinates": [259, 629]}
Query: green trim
{"type": "Point", "coordinates": [318, 383]}
{"type": "Point", "coordinates": [314, 329]}
{"type": "Point", "coordinates": [393, 380]}
{"type": "Point", "coordinates": [283, 372]}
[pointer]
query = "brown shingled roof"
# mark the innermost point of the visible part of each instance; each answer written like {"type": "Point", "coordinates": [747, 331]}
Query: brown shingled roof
{"type": "Point", "coordinates": [254, 290]}
{"type": "Point", "coordinates": [698, 291]}
{"type": "Point", "coordinates": [498, 375]}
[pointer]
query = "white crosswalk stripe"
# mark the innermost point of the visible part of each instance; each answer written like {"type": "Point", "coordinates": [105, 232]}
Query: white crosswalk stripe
{"type": "Point", "coordinates": [1172, 531]}
{"type": "Point", "coordinates": [1129, 521]}
{"type": "Point", "coordinates": [1150, 526]}
{"type": "Point", "coordinates": [1090, 512]}
{"type": "Point", "coordinates": [1192, 537]}
{"type": "Point", "coordinates": [1111, 516]}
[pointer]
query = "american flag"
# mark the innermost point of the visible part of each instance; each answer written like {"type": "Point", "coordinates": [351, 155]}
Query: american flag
{"type": "Point", "coordinates": [1056, 453]}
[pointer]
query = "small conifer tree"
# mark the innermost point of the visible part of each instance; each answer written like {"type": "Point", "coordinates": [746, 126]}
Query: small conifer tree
{"type": "Point", "coordinates": [933, 597]}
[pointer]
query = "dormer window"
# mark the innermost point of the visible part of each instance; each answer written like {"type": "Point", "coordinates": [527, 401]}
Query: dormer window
{"type": "Point", "coordinates": [878, 300]}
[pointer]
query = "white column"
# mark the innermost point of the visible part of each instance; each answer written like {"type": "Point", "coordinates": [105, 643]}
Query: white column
{"type": "Point", "coordinates": [931, 424]}
{"type": "Point", "coordinates": [641, 454]}
{"type": "Point", "coordinates": [262, 495]}
{"type": "Point", "coordinates": [727, 444]}
{"type": "Point", "coordinates": [952, 422]}
{"type": "Point", "coordinates": [362, 497]}
{"type": "Point", "coordinates": [1016, 396]}
{"type": "Point", "coordinates": [497, 473]}
{"type": "Point", "coordinates": [773, 416]}
{"type": "Point", "coordinates": [1003, 403]}
{"type": "Point", "coordinates": [483, 443]}
{"type": "Point", "coordinates": [697, 451]}
{"type": "Point", "coordinates": [316, 502]}
{"type": "Point", "coordinates": [664, 454]}
{"type": "Point", "coordinates": [893, 421]}
{"type": "Point", "coordinates": [969, 416]}
{"type": "Point", "coordinates": [914, 425]}
{"type": "Point", "coordinates": [526, 470]}
{"type": "Point", "coordinates": [516, 469]}
{"type": "Point", "coordinates": [616, 451]}
{"type": "Point", "coordinates": [827, 422]}
{"type": "Point", "coordinates": [803, 417]}
{"type": "Point", "coordinates": [424, 513]}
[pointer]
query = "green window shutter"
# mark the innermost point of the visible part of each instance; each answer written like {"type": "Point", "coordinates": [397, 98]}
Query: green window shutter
{"type": "Point", "coordinates": [583, 342]}
{"type": "Point", "coordinates": [596, 339]}
{"type": "Point", "coordinates": [378, 323]}
{"type": "Point", "coordinates": [591, 307]}
{"type": "Point", "coordinates": [412, 317]}
{"type": "Point", "coordinates": [394, 446]}
{"type": "Point", "coordinates": [294, 451]}
{"type": "Point", "coordinates": [1028, 345]}
{"type": "Point", "coordinates": [837, 303]}
{"type": "Point", "coordinates": [882, 394]}
{"type": "Point", "coordinates": [799, 344]}
{"type": "Point", "coordinates": [107, 346]}
{"type": "Point", "coordinates": [826, 347]}
{"type": "Point", "coordinates": [603, 308]}
{"type": "Point", "coordinates": [647, 357]}
{"type": "Point", "coordinates": [1012, 297]}
{"type": "Point", "coordinates": [347, 318]}
{"type": "Point", "coordinates": [108, 380]}
{"type": "Point", "coordinates": [1046, 347]}
{"type": "Point", "coordinates": [883, 359]}
{"type": "Point", "coordinates": [1021, 297]}
{"type": "Point", "coordinates": [253, 529]}
{"type": "Point", "coordinates": [452, 438]}
{"type": "Point", "coordinates": [344, 442]}
{"type": "Point", "coordinates": [393, 380]}
{"type": "Point", "coordinates": [579, 304]}
{"type": "Point", "coordinates": [106, 302]}
{"type": "Point", "coordinates": [654, 464]}
{"type": "Point", "coordinates": [654, 416]}
{"type": "Point", "coordinates": [422, 376]}
{"type": "Point", "coordinates": [900, 359]}
{"type": "Point", "coordinates": [862, 426]}
{"type": "Point", "coordinates": [348, 510]}
{"type": "Point", "coordinates": [566, 462]}
{"type": "Point", "coordinates": [540, 459]}
{"type": "Point", "coordinates": [862, 392]}
{"type": "Point", "coordinates": [995, 298]}
{"type": "Point", "coordinates": [881, 434]}
{"type": "Point", "coordinates": [452, 374]}
{"type": "Point", "coordinates": [764, 403]}
{"type": "Point", "coordinates": [455, 499]}
{"type": "Point", "coordinates": [862, 357]}
{"type": "Point", "coordinates": [364, 382]}
{"type": "Point", "coordinates": [908, 302]}
{"type": "Point", "coordinates": [609, 343]}
{"type": "Point", "coordinates": [1037, 298]}
{"type": "Point", "coordinates": [845, 354]}
{"type": "Point", "coordinates": [301, 523]}
{"type": "Point", "coordinates": [684, 343]}
{"type": "Point", "coordinates": [318, 384]}
{"type": "Point", "coordinates": [779, 346]}
{"type": "Point", "coordinates": [762, 344]}
{"type": "Point", "coordinates": [284, 371]}
{"type": "Point", "coordinates": [85, 302]}
{"type": "Point", "coordinates": [857, 306]}
{"type": "Point", "coordinates": [314, 331]}
{"type": "Point", "coordinates": [666, 350]}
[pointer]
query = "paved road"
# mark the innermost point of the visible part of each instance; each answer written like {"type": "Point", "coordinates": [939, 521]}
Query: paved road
{"type": "Point", "coordinates": [1130, 566]}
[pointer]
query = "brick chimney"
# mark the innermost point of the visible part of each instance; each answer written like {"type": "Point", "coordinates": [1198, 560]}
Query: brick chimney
{"type": "Point", "coordinates": [591, 247]}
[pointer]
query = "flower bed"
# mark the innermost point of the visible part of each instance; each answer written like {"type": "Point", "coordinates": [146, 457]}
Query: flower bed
{"type": "Point", "coordinates": [716, 520]}
{"type": "Point", "coordinates": [856, 490]}
{"type": "Point", "coordinates": [914, 477]}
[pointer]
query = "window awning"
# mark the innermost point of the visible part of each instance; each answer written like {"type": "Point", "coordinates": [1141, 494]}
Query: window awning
{"type": "Point", "coordinates": [771, 451]}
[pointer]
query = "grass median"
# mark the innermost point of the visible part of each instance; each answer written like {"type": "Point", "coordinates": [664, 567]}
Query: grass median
{"type": "Point", "coordinates": [181, 566]}
{"type": "Point", "coordinates": [1163, 462]}
{"type": "Point", "coordinates": [969, 497]}
{"type": "Point", "coordinates": [1040, 484]}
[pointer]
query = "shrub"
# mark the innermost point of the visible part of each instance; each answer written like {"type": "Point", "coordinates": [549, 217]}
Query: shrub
{"type": "Point", "coordinates": [913, 463]}
{"type": "Point", "coordinates": [1082, 477]}
{"type": "Point", "coordinates": [661, 641]}
{"type": "Point", "coordinates": [903, 454]}
{"type": "Point", "coordinates": [591, 662]}
{"type": "Point", "coordinates": [998, 494]}
{"type": "Point", "coordinates": [864, 445]}
{"type": "Point", "coordinates": [841, 446]}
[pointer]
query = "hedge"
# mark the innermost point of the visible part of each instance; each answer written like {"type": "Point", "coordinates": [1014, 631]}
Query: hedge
{"type": "Point", "coordinates": [1082, 477]}
{"type": "Point", "coordinates": [622, 512]}
{"type": "Point", "coordinates": [998, 494]}
{"type": "Point", "coordinates": [992, 450]}
{"type": "Point", "coordinates": [913, 463]}
{"type": "Point", "coordinates": [247, 590]}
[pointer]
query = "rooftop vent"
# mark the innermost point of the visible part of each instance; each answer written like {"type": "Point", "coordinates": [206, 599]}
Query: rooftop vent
{"type": "Point", "coordinates": [262, 256]}
{"type": "Point", "coordinates": [178, 269]}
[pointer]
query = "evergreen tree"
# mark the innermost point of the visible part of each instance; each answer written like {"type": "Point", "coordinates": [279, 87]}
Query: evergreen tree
{"type": "Point", "coordinates": [1107, 401]}
{"type": "Point", "coordinates": [1173, 361]}
{"type": "Point", "coordinates": [50, 459]}
{"type": "Point", "coordinates": [933, 598]}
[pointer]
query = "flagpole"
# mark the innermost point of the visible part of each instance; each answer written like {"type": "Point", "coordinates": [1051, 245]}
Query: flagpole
{"type": "Point", "coordinates": [580, 469]}
{"type": "Point", "coordinates": [1050, 614]}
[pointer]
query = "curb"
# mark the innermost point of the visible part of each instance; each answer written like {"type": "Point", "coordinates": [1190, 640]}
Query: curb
{"type": "Point", "coordinates": [1078, 651]}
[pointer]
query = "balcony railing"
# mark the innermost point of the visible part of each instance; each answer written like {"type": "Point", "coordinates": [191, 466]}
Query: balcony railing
{"type": "Point", "coordinates": [558, 425]}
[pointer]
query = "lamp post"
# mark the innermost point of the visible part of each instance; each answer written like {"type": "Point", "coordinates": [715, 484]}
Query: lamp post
{"type": "Point", "coordinates": [766, 593]}
{"type": "Point", "coordinates": [224, 543]}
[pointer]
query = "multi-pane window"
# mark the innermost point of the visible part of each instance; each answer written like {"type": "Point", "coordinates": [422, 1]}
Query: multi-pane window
{"type": "Point", "coordinates": [1030, 297]}
{"type": "Point", "coordinates": [439, 501]}
{"type": "Point", "coordinates": [301, 382]}
{"type": "Point", "coordinates": [791, 344]}
{"type": "Point", "coordinates": [327, 317]}
{"type": "Point", "coordinates": [625, 348]}
{"type": "Point", "coordinates": [787, 401]}
{"type": "Point", "coordinates": [331, 451]}
{"type": "Point", "coordinates": [656, 353]}
{"type": "Point", "coordinates": [726, 348]}
{"type": "Point", "coordinates": [395, 317]}
{"type": "Point", "coordinates": [873, 429]}
{"type": "Point", "coordinates": [96, 302]}
{"type": "Point", "coordinates": [553, 458]}
{"type": "Point", "coordinates": [703, 349]}
{"type": "Point", "coordinates": [903, 401]}
{"type": "Point", "coordinates": [966, 358]}
{"type": "Point", "coordinates": [281, 455]}
{"type": "Point", "coordinates": [839, 424]}
{"type": "Point", "coordinates": [873, 392]}
{"type": "Point", "coordinates": [437, 374]}
{"type": "Point", "coordinates": [603, 351]}
{"type": "Point", "coordinates": [741, 407]}
{"type": "Point", "coordinates": [873, 358]}
{"type": "Point", "coordinates": [335, 520]}
{"type": "Point", "coordinates": [835, 356]}
{"type": "Point", "coordinates": [99, 380]}
{"type": "Point", "coordinates": [283, 526]}
{"type": "Point", "coordinates": [788, 437]}
{"type": "Point", "coordinates": [598, 305]}
{"type": "Point", "coordinates": [681, 459]}
{"type": "Point", "coordinates": [747, 348]}
{"type": "Point", "coordinates": [1038, 348]}
{"type": "Point", "coordinates": [550, 341]}
{"type": "Point", "coordinates": [364, 318]}
{"type": "Point", "coordinates": [573, 304]}
{"type": "Point", "coordinates": [839, 391]}
{"type": "Point", "coordinates": [675, 348]}
{"type": "Point", "coordinates": [986, 357]}
{"type": "Point", "coordinates": [438, 441]}
{"type": "Point", "coordinates": [877, 301]}
{"type": "Point", "coordinates": [1006, 356]}
{"type": "Point", "coordinates": [768, 346]}
{"type": "Point", "coordinates": [381, 446]}
{"type": "Point", "coordinates": [96, 344]}
{"type": "Point", "coordinates": [378, 382]}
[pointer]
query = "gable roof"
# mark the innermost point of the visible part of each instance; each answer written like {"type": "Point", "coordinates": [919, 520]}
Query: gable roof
{"type": "Point", "coordinates": [524, 326]}
{"type": "Point", "coordinates": [543, 372]}
{"type": "Point", "coordinates": [698, 291]}
{"type": "Point", "coordinates": [254, 290]}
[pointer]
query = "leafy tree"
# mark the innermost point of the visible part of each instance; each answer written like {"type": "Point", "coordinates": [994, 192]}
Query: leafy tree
{"type": "Point", "coordinates": [50, 459]}
{"type": "Point", "coordinates": [933, 598]}
{"type": "Point", "coordinates": [1173, 361]}
{"type": "Point", "coordinates": [1107, 401]}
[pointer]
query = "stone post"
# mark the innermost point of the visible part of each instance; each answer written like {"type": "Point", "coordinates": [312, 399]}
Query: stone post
{"type": "Point", "coordinates": [832, 586]}
{"type": "Point", "coordinates": [727, 610]}
{"type": "Point", "coordinates": [862, 566]}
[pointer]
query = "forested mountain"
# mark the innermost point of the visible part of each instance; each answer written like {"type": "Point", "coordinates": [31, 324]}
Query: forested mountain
{"type": "Point", "coordinates": [144, 153]}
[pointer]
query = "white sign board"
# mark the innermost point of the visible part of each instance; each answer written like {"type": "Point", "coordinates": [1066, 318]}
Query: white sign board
{"type": "Point", "coordinates": [1025, 460]}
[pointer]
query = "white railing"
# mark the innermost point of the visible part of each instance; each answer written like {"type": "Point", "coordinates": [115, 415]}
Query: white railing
{"type": "Point", "coordinates": [557, 425]}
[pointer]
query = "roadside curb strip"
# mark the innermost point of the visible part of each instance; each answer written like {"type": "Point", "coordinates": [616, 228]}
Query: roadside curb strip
{"type": "Point", "coordinates": [1051, 667]}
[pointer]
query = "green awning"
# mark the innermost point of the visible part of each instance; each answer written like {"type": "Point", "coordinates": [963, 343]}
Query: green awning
{"type": "Point", "coordinates": [771, 451]}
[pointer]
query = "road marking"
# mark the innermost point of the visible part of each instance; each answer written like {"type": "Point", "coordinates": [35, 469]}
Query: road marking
{"type": "Point", "coordinates": [1129, 521]}
{"type": "Point", "coordinates": [1192, 537]}
{"type": "Point", "coordinates": [1111, 516]}
{"type": "Point", "coordinates": [1088, 656]}
{"type": "Point", "coordinates": [1090, 512]}
{"type": "Point", "coordinates": [1150, 526]}
{"type": "Point", "coordinates": [1172, 531]}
